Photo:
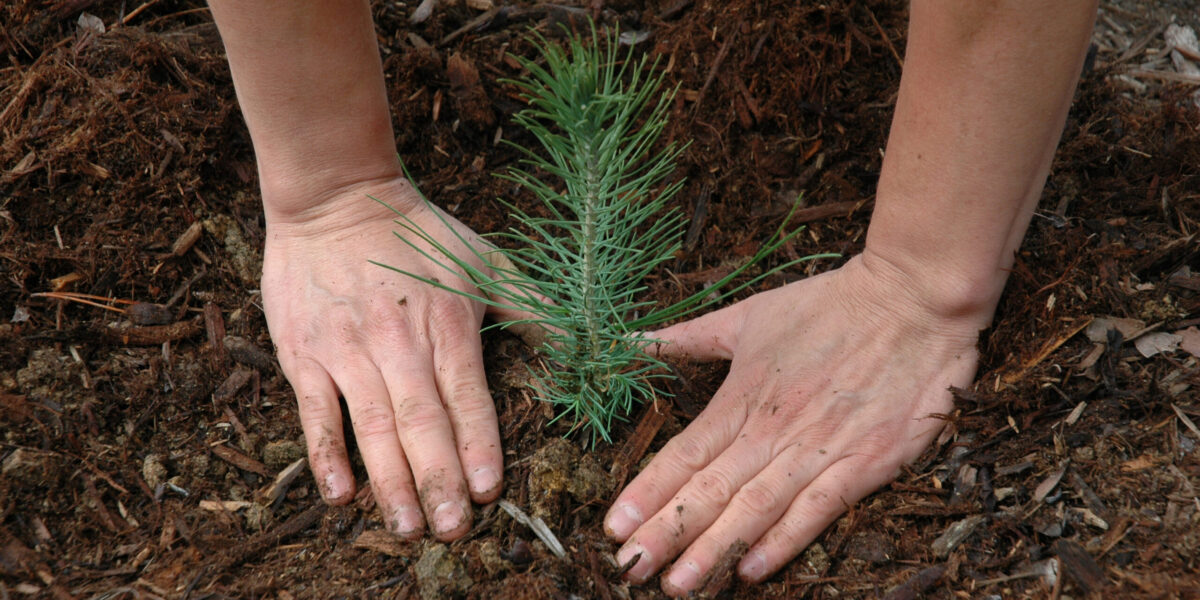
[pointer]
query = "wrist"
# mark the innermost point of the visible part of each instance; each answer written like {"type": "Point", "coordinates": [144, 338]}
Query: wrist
{"type": "Point", "coordinates": [329, 205]}
{"type": "Point", "coordinates": [941, 288]}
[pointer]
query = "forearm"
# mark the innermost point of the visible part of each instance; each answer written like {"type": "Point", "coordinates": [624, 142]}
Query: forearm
{"type": "Point", "coordinates": [983, 98]}
{"type": "Point", "coordinates": [311, 89]}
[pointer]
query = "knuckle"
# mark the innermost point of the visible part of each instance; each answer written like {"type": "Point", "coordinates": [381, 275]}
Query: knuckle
{"type": "Point", "coordinates": [451, 314]}
{"type": "Point", "coordinates": [758, 498]}
{"type": "Point", "coordinates": [373, 421]}
{"type": "Point", "coordinates": [712, 487]}
{"type": "Point", "coordinates": [692, 453]}
{"type": "Point", "coordinates": [414, 415]}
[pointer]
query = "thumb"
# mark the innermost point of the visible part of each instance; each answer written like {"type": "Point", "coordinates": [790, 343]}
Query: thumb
{"type": "Point", "coordinates": [533, 334]}
{"type": "Point", "coordinates": [713, 336]}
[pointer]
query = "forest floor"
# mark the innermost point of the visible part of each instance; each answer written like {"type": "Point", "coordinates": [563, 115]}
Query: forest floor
{"type": "Point", "coordinates": [139, 448]}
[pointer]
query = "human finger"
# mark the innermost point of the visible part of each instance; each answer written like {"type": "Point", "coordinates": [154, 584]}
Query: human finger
{"type": "Point", "coordinates": [750, 512]}
{"type": "Point", "coordinates": [427, 437]}
{"type": "Point", "coordinates": [683, 455]}
{"type": "Point", "coordinates": [375, 431]}
{"type": "Point", "coordinates": [833, 491]}
{"type": "Point", "coordinates": [321, 420]}
{"type": "Point", "coordinates": [460, 380]}
{"type": "Point", "coordinates": [711, 336]}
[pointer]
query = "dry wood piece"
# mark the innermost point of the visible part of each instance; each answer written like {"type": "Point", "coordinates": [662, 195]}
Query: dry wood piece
{"type": "Point", "coordinates": [273, 492]}
{"type": "Point", "coordinates": [262, 541]}
{"type": "Point", "coordinates": [187, 239]}
{"type": "Point", "coordinates": [378, 540]}
{"type": "Point", "coordinates": [151, 335]}
{"type": "Point", "coordinates": [240, 460]}
{"type": "Point", "coordinates": [955, 534]}
{"type": "Point", "coordinates": [1080, 565]}
{"type": "Point", "coordinates": [917, 584]}
{"type": "Point", "coordinates": [637, 444]}
{"type": "Point", "coordinates": [721, 575]}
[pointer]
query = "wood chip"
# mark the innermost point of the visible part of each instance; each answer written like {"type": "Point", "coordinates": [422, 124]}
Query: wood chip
{"type": "Point", "coordinates": [917, 584]}
{"type": "Point", "coordinates": [1048, 484]}
{"type": "Point", "coordinates": [1158, 342]}
{"type": "Point", "coordinates": [1189, 340]}
{"type": "Point", "coordinates": [240, 460]}
{"type": "Point", "coordinates": [1141, 463]}
{"type": "Point", "coordinates": [1186, 421]}
{"type": "Point", "coordinates": [1080, 566]}
{"type": "Point", "coordinates": [224, 505]}
{"type": "Point", "coordinates": [187, 239]}
{"type": "Point", "coordinates": [234, 382]}
{"type": "Point", "coordinates": [721, 574]}
{"type": "Point", "coordinates": [277, 488]}
{"type": "Point", "coordinates": [378, 540]}
{"type": "Point", "coordinates": [955, 534]}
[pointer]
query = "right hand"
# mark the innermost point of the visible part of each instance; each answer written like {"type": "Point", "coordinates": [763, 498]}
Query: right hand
{"type": "Point", "coordinates": [404, 355]}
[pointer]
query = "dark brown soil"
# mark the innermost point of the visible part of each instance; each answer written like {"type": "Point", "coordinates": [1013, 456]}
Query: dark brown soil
{"type": "Point", "coordinates": [121, 434]}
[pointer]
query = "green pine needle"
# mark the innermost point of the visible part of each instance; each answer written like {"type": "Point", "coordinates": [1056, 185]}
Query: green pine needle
{"type": "Point", "coordinates": [579, 270]}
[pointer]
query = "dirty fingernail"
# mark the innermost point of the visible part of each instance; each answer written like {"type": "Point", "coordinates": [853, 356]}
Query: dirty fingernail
{"type": "Point", "coordinates": [683, 577]}
{"type": "Point", "coordinates": [754, 566]}
{"type": "Point", "coordinates": [623, 520]}
{"type": "Point", "coordinates": [484, 479]}
{"type": "Point", "coordinates": [335, 487]}
{"type": "Point", "coordinates": [640, 570]}
{"type": "Point", "coordinates": [447, 516]}
{"type": "Point", "coordinates": [406, 521]}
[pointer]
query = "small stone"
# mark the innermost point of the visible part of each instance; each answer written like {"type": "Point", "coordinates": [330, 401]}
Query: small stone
{"type": "Point", "coordinates": [153, 471]}
{"type": "Point", "coordinates": [440, 574]}
{"type": "Point", "coordinates": [281, 453]}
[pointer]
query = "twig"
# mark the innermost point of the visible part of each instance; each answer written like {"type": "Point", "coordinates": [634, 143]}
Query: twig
{"type": "Point", "coordinates": [1165, 76]}
{"type": "Point", "coordinates": [137, 11]}
{"type": "Point", "coordinates": [537, 525]}
{"type": "Point", "coordinates": [886, 39]}
{"type": "Point", "coordinates": [258, 543]}
{"type": "Point", "coordinates": [712, 73]}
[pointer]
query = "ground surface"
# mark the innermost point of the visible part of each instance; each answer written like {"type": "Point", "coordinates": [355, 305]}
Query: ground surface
{"type": "Point", "coordinates": [126, 172]}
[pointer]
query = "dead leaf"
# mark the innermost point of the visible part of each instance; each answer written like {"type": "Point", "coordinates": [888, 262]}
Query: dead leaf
{"type": "Point", "coordinates": [1097, 330]}
{"type": "Point", "coordinates": [1158, 342]}
{"type": "Point", "coordinates": [1189, 340]}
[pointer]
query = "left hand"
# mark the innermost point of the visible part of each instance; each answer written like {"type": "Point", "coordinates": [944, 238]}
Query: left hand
{"type": "Point", "coordinates": [835, 382]}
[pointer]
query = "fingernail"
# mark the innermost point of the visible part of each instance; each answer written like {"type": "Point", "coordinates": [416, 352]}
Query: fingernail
{"type": "Point", "coordinates": [447, 516]}
{"type": "Point", "coordinates": [754, 566]}
{"type": "Point", "coordinates": [484, 479]}
{"type": "Point", "coordinates": [335, 487]}
{"type": "Point", "coordinates": [640, 570]}
{"type": "Point", "coordinates": [406, 521]}
{"type": "Point", "coordinates": [683, 577]}
{"type": "Point", "coordinates": [623, 520]}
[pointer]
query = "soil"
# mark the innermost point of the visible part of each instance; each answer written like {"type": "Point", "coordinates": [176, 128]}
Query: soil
{"type": "Point", "coordinates": [138, 448]}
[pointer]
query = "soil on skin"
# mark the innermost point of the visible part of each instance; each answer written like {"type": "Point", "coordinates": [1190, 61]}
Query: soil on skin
{"type": "Point", "coordinates": [135, 446]}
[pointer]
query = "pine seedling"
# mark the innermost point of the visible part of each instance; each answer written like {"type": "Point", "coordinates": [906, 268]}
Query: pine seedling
{"type": "Point", "coordinates": [578, 264]}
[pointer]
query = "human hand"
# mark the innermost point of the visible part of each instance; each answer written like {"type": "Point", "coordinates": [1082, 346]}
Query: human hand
{"type": "Point", "coordinates": [835, 383]}
{"type": "Point", "coordinates": [405, 356]}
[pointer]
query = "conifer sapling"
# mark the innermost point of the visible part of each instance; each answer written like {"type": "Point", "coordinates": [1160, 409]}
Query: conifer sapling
{"type": "Point", "coordinates": [578, 263]}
